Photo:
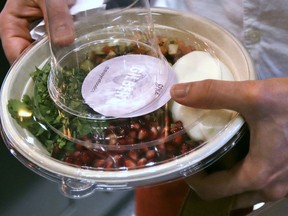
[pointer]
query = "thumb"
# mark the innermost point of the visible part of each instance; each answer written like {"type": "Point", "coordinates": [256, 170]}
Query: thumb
{"type": "Point", "coordinates": [212, 94]}
{"type": "Point", "coordinates": [61, 26]}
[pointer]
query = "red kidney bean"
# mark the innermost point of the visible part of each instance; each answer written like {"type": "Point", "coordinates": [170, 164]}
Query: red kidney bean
{"type": "Point", "coordinates": [133, 154]}
{"type": "Point", "coordinates": [142, 162]}
{"type": "Point", "coordinates": [129, 163]}
{"type": "Point", "coordinates": [137, 131]}
{"type": "Point", "coordinates": [150, 154]}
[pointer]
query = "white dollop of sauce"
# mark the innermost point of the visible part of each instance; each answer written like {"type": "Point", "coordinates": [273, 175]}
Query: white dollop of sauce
{"type": "Point", "coordinates": [201, 124]}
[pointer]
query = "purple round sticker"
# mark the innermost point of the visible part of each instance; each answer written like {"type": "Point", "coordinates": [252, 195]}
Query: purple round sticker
{"type": "Point", "coordinates": [122, 85]}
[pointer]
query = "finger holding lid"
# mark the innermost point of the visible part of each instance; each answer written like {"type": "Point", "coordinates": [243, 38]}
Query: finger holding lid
{"type": "Point", "coordinates": [215, 94]}
{"type": "Point", "coordinates": [60, 22]}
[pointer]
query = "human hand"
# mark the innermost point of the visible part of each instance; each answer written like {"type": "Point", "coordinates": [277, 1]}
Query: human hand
{"type": "Point", "coordinates": [263, 174]}
{"type": "Point", "coordinates": [17, 16]}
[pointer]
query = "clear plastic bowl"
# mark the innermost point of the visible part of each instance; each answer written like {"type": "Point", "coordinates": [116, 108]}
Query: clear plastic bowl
{"type": "Point", "coordinates": [79, 181]}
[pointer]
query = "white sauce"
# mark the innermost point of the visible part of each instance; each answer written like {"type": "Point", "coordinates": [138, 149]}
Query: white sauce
{"type": "Point", "coordinates": [201, 124]}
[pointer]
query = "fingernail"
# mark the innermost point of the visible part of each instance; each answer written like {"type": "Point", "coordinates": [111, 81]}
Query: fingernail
{"type": "Point", "coordinates": [62, 30]}
{"type": "Point", "coordinates": [63, 35]}
{"type": "Point", "coordinates": [179, 90]}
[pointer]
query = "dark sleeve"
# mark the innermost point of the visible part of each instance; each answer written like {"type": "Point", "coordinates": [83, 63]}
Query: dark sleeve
{"type": "Point", "coordinates": [3, 61]}
{"type": "Point", "coordinates": [116, 3]}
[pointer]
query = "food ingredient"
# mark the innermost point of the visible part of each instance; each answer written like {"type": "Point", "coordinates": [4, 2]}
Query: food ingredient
{"type": "Point", "coordinates": [201, 124]}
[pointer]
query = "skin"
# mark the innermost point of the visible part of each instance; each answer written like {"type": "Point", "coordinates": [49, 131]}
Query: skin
{"type": "Point", "coordinates": [261, 176]}
{"type": "Point", "coordinates": [17, 16]}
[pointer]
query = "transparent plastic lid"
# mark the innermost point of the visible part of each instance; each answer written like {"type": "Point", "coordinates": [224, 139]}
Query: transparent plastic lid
{"type": "Point", "coordinates": [111, 66]}
{"type": "Point", "coordinates": [111, 80]}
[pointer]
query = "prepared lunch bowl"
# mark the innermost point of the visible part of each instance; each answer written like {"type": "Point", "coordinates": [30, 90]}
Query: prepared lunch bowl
{"type": "Point", "coordinates": [84, 155]}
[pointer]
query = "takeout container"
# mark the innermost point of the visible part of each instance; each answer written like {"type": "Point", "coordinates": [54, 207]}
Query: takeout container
{"type": "Point", "coordinates": [76, 181]}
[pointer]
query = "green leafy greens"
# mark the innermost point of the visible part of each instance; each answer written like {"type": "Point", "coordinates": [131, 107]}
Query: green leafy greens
{"type": "Point", "coordinates": [38, 114]}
